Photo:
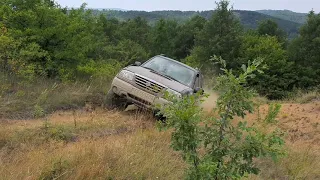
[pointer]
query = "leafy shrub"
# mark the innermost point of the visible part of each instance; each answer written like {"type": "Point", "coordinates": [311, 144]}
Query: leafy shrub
{"type": "Point", "coordinates": [93, 69]}
{"type": "Point", "coordinates": [214, 147]}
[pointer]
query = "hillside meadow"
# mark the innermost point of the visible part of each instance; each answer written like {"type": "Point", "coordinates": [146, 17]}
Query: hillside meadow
{"type": "Point", "coordinates": [103, 144]}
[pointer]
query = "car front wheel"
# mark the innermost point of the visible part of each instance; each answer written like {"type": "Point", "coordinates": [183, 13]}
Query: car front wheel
{"type": "Point", "coordinates": [114, 101]}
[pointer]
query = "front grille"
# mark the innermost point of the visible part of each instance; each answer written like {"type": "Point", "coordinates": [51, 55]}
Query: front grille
{"type": "Point", "coordinates": [148, 85]}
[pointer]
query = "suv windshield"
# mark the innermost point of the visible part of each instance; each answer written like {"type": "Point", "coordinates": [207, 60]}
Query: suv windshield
{"type": "Point", "coordinates": [171, 69]}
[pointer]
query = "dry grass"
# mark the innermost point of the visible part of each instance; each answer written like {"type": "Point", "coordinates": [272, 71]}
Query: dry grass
{"type": "Point", "coordinates": [299, 163]}
{"type": "Point", "coordinates": [298, 96]}
{"type": "Point", "coordinates": [302, 97]}
{"type": "Point", "coordinates": [307, 97]}
{"type": "Point", "coordinates": [23, 99]}
{"type": "Point", "coordinates": [142, 155]}
{"type": "Point", "coordinates": [109, 145]}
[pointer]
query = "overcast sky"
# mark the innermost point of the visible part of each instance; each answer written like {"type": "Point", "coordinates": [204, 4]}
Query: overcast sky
{"type": "Point", "coordinates": [150, 5]}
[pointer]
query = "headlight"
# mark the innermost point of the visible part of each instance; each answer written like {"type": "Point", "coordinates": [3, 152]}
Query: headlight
{"type": "Point", "coordinates": [126, 75]}
{"type": "Point", "coordinates": [173, 93]}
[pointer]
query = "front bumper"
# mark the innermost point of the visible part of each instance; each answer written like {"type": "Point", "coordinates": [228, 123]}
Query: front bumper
{"type": "Point", "coordinates": [136, 95]}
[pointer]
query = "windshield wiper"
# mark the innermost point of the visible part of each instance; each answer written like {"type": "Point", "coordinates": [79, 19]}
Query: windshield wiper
{"type": "Point", "coordinates": [148, 68]}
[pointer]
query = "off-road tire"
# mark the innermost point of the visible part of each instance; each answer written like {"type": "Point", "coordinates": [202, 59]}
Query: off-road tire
{"type": "Point", "coordinates": [114, 101]}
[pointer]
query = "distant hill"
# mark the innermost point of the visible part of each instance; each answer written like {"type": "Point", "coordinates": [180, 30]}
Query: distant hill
{"type": "Point", "coordinates": [286, 15]}
{"type": "Point", "coordinates": [250, 19]}
{"type": "Point", "coordinates": [114, 9]}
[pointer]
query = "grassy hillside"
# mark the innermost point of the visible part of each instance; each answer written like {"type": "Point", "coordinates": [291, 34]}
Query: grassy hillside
{"type": "Point", "coordinates": [104, 144]}
{"type": "Point", "coordinates": [286, 15]}
{"type": "Point", "coordinates": [249, 19]}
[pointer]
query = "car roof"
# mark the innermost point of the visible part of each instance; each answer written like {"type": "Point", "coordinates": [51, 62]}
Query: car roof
{"type": "Point", "coordinates": [175, 62]}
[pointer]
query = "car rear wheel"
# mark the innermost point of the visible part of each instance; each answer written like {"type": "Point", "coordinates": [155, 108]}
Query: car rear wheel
{"type": "Point", "coordinates": [114, 101]}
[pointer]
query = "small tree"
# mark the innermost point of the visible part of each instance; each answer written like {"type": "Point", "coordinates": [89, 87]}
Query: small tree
{"type": "Point", "coordinates": [217, 147]}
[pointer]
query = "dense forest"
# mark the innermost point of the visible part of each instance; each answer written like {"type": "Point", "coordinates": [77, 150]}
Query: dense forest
{"type": "Point", "coordinates": [39, 38]}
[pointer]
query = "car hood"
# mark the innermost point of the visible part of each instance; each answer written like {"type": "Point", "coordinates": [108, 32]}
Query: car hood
{"type": "Point", "coordinates": [172, 84]}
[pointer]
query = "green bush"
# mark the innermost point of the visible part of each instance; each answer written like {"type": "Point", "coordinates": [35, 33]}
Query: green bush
{"type": "Point", "coordinates": [278, 78]}
{"type": "Point", "coordinates": [215, 147]}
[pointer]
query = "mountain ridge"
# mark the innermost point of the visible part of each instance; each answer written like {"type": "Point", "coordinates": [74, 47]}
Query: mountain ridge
{"type": "Point", "coordinates": [289, 15]}
{"type": "Point", "coordinates": [250, 19]}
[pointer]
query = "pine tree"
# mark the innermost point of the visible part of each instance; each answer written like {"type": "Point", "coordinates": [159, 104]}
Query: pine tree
{"type": "Point", "coordinates": [270, 28]}
{"type": "Point", "coordinates": [304, 51]}
{"type": "Point", "coordinates": [186, 34]}
{"type": "Point", "coordinates": [163, 35]}
{"type": "Point", "coordinates": [221, 36]}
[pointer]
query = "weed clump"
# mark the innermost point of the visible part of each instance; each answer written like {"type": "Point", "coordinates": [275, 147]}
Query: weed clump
{"type": "Point", "coordinates": [57, 169]}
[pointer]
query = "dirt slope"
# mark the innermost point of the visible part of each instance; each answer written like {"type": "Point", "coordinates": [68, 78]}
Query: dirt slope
{"type": "Point", "coordinates": [301, 122]}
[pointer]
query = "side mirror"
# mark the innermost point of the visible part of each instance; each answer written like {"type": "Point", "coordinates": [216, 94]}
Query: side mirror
{"type": "Point", "coordinates": [198, 89]}
{"type": "Point", "coordinates": [137, 63]}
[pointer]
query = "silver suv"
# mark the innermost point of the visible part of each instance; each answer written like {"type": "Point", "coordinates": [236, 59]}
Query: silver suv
{"type": "Point", "coordinates": [144, 84]}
